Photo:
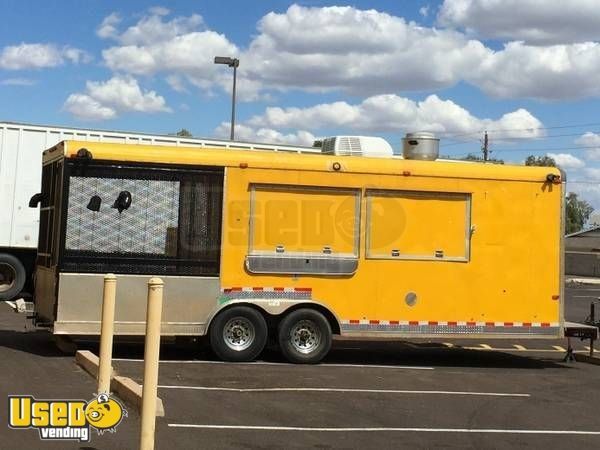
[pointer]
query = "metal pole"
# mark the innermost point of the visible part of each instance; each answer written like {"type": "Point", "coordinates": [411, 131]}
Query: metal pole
{"type": "Point", "coordinates": [106, 333]}
{"type": "Point", "coordinates": [151, 355]}
{"type": "Point", "coordinates": [593, 320]}
{"type": "Point", "coordinates": [235, 65]}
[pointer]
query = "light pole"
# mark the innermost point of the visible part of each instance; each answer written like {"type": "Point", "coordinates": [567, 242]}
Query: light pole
{"type": "Point", "coordinates": [231, 62]}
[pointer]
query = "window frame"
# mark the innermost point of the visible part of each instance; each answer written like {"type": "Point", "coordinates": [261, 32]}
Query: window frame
{"type": "Point", "coordinates": [399, 193]}
{"type": "Point", "coordinates": [145, 265]}
{"type": "Point", "coordinates": [299, 262]}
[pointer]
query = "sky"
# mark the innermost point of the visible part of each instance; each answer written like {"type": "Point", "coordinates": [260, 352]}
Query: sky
{"type": "Point", "coordinates": [525, 71]}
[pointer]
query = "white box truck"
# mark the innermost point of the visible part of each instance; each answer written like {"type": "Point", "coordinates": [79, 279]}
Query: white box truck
{"type": "Point", "coordinates": [21, 147]}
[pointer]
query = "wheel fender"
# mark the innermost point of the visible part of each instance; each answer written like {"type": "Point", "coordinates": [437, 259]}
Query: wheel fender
{"type": "Point", "coordinates": [272, 306]}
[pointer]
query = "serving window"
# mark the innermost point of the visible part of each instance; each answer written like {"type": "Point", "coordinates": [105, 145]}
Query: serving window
{"type": "Point", "coordinates": [295, 229]}
{"type": "Point", "coordinates": [418, 225]}
{"type": "Point", "coordinates": [142, 219]}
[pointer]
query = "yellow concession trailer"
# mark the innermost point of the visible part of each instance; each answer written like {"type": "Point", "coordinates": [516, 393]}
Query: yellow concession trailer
{"type": "Point", "coordinates": [258, 244]}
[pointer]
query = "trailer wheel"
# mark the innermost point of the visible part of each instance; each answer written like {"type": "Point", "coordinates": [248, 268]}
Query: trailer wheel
{"type": "Point", "coordinates": [12, 276]}
{"type": "Point", "coordinates": [238, 334]}
{"type": "Point", "coordinates": [304, 336]}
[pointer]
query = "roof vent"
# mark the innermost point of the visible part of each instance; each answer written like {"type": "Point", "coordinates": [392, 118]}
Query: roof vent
{"type": "Point", "coordinates": [356, 146]}
{"type": "Point", "coordinates": [421, 145]}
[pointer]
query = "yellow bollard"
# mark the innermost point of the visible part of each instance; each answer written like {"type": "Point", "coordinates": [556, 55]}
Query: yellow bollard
{"type": "Point", "coordinates": [151, 357]}
{"type": "Point", "coordinates": [106, 333]}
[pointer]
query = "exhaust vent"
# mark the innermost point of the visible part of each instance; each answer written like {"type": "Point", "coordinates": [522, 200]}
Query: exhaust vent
{"type": "Point", "coordinates": [356, 146]}
{"type": "Point", "coordinates": [422, 145]}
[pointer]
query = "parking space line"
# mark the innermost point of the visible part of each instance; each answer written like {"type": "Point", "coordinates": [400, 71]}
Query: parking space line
{"type": "Point", "coordinates": [264, 363]}
{"type": "Point", "coordinates": [559, 348]}
{"type": "Point", "coordinates": [519, 347]}
{"type": "Point", "coordinates": [385, 429]}
{"type": "Point", "coordinates": [486, 346]}
{"type": "Point", "coordinates": [364, 391]}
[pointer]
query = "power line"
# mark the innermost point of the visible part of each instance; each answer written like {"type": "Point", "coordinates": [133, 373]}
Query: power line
{"type": "Point", "coordinates": [557, 127]}
{"type": "Point", "coordinates": [547, 149]}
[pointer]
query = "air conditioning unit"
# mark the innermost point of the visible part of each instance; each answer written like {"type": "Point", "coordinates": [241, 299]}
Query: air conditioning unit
{"type": "Point", "coordinates": [356, 146]}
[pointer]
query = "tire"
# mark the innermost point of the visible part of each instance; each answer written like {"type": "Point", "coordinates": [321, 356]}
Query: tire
{"type": "Point", "coordinates": [238, 334]}
{"type": "Point", "coordinates": [304, 336]}
{"type": "Point", "coordinates": [12, 276]}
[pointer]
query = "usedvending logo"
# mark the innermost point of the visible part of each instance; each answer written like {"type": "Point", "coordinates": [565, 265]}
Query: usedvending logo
{"type": "Point", "coordinates": [65, 419]}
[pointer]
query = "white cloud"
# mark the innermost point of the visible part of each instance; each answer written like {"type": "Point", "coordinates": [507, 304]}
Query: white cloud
{"type": "Point", "coordinates": [424, 11]}
{"type": "Point", "coordinates": [268, 135]}
{"type": "Point", "coordinates": [333, 48]}
{"type": "Point", "coordinates": [554, 72]}
{"type": "Point", "coordinates": [592, 174]}
{"type": "Point", "coordinates": [587, 191]}
{"type": "Point", "coordinates": [537, 22]}
{"type": "Point", "coordinates": [591, 140]}
{"type": "Point", "coordinates": [108, 27]}
{"type": "Point", "coordinates": [106, 100]}
{"type": "Point", "coordinates": [567, 161]}
{"type": "Point", "coordinates": [364, 52]}
{"type": "Point", "coordinates": [86, 107]}
{"type": "Point", "coordinates": [391, 113]}
{"type": "Point", "coordinates": [39, 56]}
{"type": "Point", "coordinates": [17, 82]}
{"type": "Point", "coordinates": [159, 10]}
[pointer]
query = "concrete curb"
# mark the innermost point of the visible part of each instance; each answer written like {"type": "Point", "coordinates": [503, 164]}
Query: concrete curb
{"type": "Point", "coordinates": [575, 280]}
{"type": "Point", "coordinates": [88, 362]}
{"type": "Point", "coordinates": [127, 389]}
{"type": "Point", "coordinates": [587, 359]}
{"type": "Point", "coordinates": [131, 392]}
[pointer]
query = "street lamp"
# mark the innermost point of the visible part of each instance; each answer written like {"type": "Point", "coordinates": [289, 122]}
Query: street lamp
{"type": "Point", "coordinates": [231, 62]}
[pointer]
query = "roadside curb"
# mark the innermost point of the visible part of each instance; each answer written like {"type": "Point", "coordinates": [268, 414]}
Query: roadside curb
{"type": "Point", "coordinates": [575, 280]}
{"type": "Point", "coordinates": [88, 362]}
{"type": "Point", "coordinates": [131, 392]}
{"type": "Point", "coordinates": [587, 359]}
{"type": "Point", "coordinates": [127, 389]}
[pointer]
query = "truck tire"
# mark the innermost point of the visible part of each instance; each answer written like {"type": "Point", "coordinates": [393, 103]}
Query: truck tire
{"type": "Point", "coordinates": [12, 276]}
{"type": "Point", "coordinates": [238, 334]}
{"type": "Point", "coordinates": [304, 336]}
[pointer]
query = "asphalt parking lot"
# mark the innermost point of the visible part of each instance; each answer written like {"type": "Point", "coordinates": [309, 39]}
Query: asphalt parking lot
{"type": "Point", "coordinates": [445, 394]}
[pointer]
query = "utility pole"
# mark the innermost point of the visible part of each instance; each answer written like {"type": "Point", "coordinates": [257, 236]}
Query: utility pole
{"type": "Point", "coordinates": [485, 148]}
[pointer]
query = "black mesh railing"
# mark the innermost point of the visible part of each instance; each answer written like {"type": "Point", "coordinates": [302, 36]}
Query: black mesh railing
{"type": "Point", "coordinates": [172, 225]}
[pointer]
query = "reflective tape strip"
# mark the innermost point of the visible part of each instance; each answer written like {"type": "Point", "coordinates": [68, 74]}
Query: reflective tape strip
{"type": "Point", "coordinates": [266, 292]}
{"type": "Point", "coordinates": [447, 327]}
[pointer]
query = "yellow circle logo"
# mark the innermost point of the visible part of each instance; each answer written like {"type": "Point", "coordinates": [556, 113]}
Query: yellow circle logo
{"type": "Point", "coordinates": [104, 413]}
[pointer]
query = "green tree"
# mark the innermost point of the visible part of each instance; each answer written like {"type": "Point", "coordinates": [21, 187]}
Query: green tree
{"type": "Point", "coordinates": [545, 161]}
{"type": "Point", "coordinates": [476, 157]}
{"type": "Point", "coordinates": [183, 133]}
{"type": "Point", "coordinates": [578, 213]}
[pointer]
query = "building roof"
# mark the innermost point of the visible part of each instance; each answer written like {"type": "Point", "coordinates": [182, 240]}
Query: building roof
{"type": "Point", "coordinates": [595, 230]}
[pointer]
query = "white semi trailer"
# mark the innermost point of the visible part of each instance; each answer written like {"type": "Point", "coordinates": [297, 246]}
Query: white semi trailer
{"type": "Point", "coordinates": [21, 147]}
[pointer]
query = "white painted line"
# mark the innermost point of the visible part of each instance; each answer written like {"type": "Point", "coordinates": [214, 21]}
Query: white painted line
{"type": "Point", "coordinates": [486, 346]}
{"type": "Point", "coordinates": [558, 348]}
{"type": "Point", "coordinates": [365, 391]}
{"type": "Point", "coordinates": [448, 344]}
{"type": "Point", "coordinates": [530, 350]}
{"type": "Point", "coordinates": [385, 429]}
{"type": "Point", "coordinates": [263, 363]}
{"type": "Point", "coordinates": [519, 347]}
